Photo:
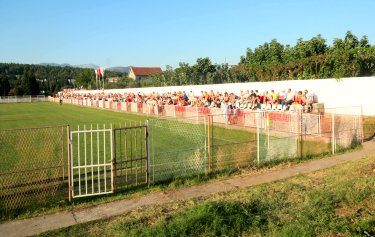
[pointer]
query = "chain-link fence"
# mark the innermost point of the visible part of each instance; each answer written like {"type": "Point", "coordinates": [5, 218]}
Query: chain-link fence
{"type": "Point", "coordinates": [231, 145]}
{"type": "Point", "coordinates": [237, 139]}
{"type": "Point", "coordinates": [32, 168]}
{"type": "Point", "coordinates": [346, 128]}
{"type": "Point", "coordinates": [177, 148]}
{"type": "Point", "coordinates": [277, 137]}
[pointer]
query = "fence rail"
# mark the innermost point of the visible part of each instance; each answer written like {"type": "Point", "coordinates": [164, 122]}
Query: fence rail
{"type": "Point", "coordinates": [23, 99]}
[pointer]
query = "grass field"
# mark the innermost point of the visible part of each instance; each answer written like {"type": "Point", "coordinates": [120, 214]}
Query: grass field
{"type": "Point", "coordinates": [25, 115]}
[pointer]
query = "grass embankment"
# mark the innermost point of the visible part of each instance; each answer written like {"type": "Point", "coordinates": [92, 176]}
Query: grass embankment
{"type": "Point", "coordinates": [339, 201]}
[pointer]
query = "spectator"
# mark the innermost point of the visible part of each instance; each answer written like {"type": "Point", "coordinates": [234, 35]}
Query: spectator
{"type": "Point", "coordinates": [309, 100]}
{"type": "Point", "coordinates": [300, 101]}
{"type": "Point", "coordinates": [288, 100]}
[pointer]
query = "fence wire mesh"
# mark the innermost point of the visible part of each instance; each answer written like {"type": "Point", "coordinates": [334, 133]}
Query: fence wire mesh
{"type": "Point", "coordinates": [346, 128]}
{"type": "Point", "coordinates": [231, 145]}
{"type": "Point", "coordinates": [32, 166]}
{"type": "Point", "coordinates": [236, 139]}
{"type": "Point", "coordinates": [177, 148]}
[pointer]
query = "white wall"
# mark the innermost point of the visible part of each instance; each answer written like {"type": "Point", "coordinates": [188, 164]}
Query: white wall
{"type": "Point", "coordinates": [333, 93]}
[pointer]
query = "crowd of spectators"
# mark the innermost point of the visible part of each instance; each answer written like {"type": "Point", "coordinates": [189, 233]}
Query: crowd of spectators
{"type": "Point", "coordinates": [245, 100]}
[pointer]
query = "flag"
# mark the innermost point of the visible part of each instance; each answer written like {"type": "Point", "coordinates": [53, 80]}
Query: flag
{"type": "Point", "coordinates": [98, 72]}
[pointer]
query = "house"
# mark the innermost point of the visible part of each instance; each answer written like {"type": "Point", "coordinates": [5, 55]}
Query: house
{"type": "Point", "coordinates": [141, 73]}
{"type": "Point", "coordinates": [113, 79]}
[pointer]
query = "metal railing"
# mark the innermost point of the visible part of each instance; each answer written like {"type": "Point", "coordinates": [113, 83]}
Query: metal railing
{"type": "Point", "coordinates": [23, 99]}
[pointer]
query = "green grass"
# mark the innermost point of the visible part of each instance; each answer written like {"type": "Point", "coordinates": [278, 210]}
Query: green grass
{"type": "Point", "coordinates": [332, 202]}
{"type": "Point", "coordinates": [26, 115]}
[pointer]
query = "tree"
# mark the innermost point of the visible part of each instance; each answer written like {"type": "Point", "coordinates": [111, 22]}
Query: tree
{"type": "Point", "coordinates": [4, 85]}
{"type": "Point", "coordinates": [29, 84]}
{"type": "Point", "coordinates": [86, 79]}
{"type": "Point", "coordinates": [201, 70]}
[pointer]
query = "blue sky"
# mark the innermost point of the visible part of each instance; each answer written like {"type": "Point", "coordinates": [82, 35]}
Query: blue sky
{"type": "Point", "coordinates": [166, 32]}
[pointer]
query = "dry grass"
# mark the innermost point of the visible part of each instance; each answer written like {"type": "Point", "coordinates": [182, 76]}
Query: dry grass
{"type": "Point", "coordinates": [368, 126]}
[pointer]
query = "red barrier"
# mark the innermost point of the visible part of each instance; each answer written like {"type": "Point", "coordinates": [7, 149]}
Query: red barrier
{"type": "Point", "coordinates": [279, 116]}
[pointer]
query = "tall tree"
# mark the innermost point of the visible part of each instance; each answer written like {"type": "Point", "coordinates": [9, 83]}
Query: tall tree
{"type": "Point", "coordinates": [4, 85]}
{"type": "Point", "coordinates": [86, 79]}
{"type": "Point", "coordinates": [29, 84]}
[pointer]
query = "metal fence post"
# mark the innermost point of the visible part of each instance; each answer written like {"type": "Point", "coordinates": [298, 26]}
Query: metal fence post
{"type": "Point", "coordinates": [361, 125]}
{"type": "Point", "coordinates": [258, 137]}
{"type": "Point", "coordinates": [69, 164]}
{"type": "Point", "coordinates": [147, 155]}
{"type": "Point", "coordinates": [153, 150]}
{"type": "Point", "coordinates": [333, 133]}
{"type": "Point", "coordinates": [205, 137]}
{"type": "Point", "coordinates": [299, 138]}
{"type": "Point", "coordinates": [209, 144]}
{"type": "Point", "coordinates": [113, 158]}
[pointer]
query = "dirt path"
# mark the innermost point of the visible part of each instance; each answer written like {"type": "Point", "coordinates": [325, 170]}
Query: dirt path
{"type": "Point", "coordinates": [41, 224]}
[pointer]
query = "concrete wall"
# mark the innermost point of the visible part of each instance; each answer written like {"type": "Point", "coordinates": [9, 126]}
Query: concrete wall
{"type": "Point", "coordinates": [345, 92]}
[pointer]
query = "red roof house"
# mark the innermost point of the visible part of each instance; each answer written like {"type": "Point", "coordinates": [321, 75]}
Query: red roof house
{"type": "Point", "coordinates": [140, 73]}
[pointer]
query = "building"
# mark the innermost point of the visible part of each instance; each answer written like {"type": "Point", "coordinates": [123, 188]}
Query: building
{"type": "Point", "coordinates": [142, 73]}
{"type": "Point", "coordinates": [113, 79]}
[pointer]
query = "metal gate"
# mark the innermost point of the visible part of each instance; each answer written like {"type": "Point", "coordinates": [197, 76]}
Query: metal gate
{"type": "Point", "coordinates": [91, 162]}
{"type": "Point", "coordinates": [131, 156]}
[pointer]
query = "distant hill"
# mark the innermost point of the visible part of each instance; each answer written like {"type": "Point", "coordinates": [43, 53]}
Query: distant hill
{"type": "Point", "coordinates": [56, 64]}
{"type": "Point", "coordinates": [92, 66]}
{"type": "Point", "coordinates": [119, 69]}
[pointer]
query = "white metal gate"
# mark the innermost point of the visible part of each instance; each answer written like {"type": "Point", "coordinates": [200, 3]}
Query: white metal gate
{"type": "Point", "coordinates": [91, 162]}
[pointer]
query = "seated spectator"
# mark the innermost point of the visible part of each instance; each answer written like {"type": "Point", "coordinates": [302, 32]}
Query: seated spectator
{"type": "Point", "coordinates": [309, 100]}
{"type": "Point", "coordinates": [255, 102]}
{"type": "Point", "coordinates": [300, 101]}
{"type": "Point", "coordinates": [282, 96]}
{"type": "Point", "coordinates": [184, 100]}
{"type": "Point", "coordinates": [242, 102]}
{"type": "Point", "coordinates": [288, 100]}
{"type": "Point", "coordinates": [274, 97]}
{"type": "Point", "coordinates": [217, 102]}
